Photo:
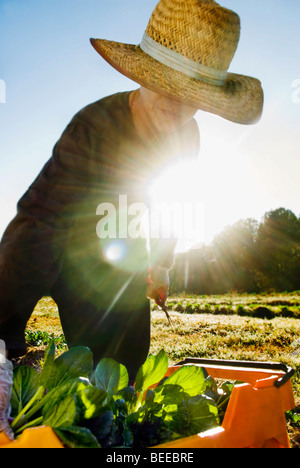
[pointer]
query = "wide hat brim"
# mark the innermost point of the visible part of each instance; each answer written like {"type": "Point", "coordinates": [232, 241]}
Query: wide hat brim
{"type": "Point", "coordinates": [239, 99]}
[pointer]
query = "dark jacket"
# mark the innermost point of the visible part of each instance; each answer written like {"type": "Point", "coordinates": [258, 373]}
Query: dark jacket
{"type": "Point", "coordinates": [98, 157]}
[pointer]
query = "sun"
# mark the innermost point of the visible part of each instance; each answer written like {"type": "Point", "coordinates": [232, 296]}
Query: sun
{"type": "Point", "coordinates": [179, 182]}
{"type": "Point", "coordinates": [176, 208]}
{"type": "Point", "coordinates": [208, 194]}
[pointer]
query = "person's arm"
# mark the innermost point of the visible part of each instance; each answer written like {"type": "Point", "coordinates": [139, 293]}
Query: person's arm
{"type": "Point", "coordinates": [161, 261]}
{"type": "Point", "coordinates": [162, 251]}
{"type": "Point", "coordinates": [38, 233]}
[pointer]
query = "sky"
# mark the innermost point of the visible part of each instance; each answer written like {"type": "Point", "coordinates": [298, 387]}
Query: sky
{"type": "Point", "coordinates": [49, 71]}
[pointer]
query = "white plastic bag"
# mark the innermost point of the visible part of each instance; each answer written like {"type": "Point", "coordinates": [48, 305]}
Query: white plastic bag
{"type": "Point", "coordinates": [6, 382]}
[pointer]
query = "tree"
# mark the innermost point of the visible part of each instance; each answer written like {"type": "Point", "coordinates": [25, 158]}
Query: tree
{"type": "Point", "coordinates": [246, 256]}
{"type": "Point", "coordinates": [235, 253]}
{"type": "Point", "coordinates": [278, 245]}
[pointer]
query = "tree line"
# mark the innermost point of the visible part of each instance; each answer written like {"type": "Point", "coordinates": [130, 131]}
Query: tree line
{"type": "Point", "coordinates": [247, 257]}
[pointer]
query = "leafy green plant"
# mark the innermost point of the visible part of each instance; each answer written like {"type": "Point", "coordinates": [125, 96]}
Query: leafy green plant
{"type": "Point", "coordinates": [293, 417]}
{"type": "Point", "coordinates": [97, 408]}
{"type": "Point", "coordinates": [39, 338]}
{"type": "Point", "coordinates": [55, 397]}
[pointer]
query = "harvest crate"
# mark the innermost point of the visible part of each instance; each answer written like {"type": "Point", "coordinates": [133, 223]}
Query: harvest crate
{"type": "Point", "coordinates": [255, 416]}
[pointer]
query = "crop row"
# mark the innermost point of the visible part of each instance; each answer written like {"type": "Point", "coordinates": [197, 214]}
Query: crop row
{"type": "Point", "coordinates": [256, 310]}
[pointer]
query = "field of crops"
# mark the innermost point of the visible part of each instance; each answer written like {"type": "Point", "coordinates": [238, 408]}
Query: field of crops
{"type": "Point", "coordinates": [232, 326]}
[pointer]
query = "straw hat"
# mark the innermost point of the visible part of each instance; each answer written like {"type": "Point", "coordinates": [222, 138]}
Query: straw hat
{"type": "Point", "coordinates": [185, 54]}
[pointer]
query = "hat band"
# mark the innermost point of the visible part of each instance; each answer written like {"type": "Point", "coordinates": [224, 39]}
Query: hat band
{"type": "Point", "coordinates": [178, 62]}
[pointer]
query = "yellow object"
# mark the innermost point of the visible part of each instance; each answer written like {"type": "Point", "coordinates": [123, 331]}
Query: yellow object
{"type": "Point", "coordinates": [39, 437]}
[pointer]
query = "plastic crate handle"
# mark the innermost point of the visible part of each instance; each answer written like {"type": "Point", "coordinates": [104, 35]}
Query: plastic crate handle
{"type": "Point", "coordinates": [289, 371]}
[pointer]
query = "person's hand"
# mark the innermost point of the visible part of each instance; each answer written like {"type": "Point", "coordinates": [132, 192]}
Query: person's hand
{"type": "Point", "coordinates": [158, 285]}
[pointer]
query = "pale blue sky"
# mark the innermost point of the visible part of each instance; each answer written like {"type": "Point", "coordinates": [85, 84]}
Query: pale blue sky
{"type": "Point", "coordinates": [51, 71]}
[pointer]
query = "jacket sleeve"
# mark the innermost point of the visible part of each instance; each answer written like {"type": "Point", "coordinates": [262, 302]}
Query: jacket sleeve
{"type": "Point", "coordinates": [65, 179]}
{"type": "Point", "coordinates": [39, 232]}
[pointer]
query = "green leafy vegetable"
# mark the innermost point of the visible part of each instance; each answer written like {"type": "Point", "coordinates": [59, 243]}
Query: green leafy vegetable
{"type": "Point", "coordinates": [25, 385]}
{"type": "Point", "coordinates": [62, 414]}
{"type": "Point", "coordinates": [77, 362]}
{"type": "Point", "coordinates": [77, 437]}
{"type": "Point", "coordinates": [111, 376]}
{"type": "Point", "coordinates": [150, 373]}
{"type": "Point", "coordinates": [190, 378]}
{"type": "Point", "coordinates": [93, 400]}
{"type": "Point", "coordinates": [88, 408]}
{"type": "Point", "coordinates": [197, 414]}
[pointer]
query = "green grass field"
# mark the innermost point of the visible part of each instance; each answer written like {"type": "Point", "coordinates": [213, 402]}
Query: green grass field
{"type": "Point", "coordinates": [216, 327]}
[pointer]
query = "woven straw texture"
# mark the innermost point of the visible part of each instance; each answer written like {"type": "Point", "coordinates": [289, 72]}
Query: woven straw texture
{"type": "Point", "coordinates": [204, 32]}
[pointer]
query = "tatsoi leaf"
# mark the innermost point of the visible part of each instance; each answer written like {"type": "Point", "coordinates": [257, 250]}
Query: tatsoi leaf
{"type": "Point", "coordinates": [169, 394]}
{"type": "Point", "coordinates": [61, 414]}
{"type": "Point", "coordinates": [104, 425]}
{"type": "Point", "coordinates": [107, 428]}
{"type": "Point", "coordinates": [25, 385]}
{"type": "Point", "coordinates": [71, 387]}
{"type": "Point", "coordinates": [48, 365]}
{"type": "Point", "coordinates": [129, 395]}
{"type": "Point", "coordinates": [190, 378]}
{"type": "Point", "coordinates": [92, 399]}
{"type": "Point", "coordinates": [198, 414]}
{"type": "Point", "coordinates": [77, 362]}
{"type": "Point", "coordinates": [110, 376]}
{"type": "Point", "coordinates": [152, 371]}
{"type": "Point", "coordinates": [77, 437]}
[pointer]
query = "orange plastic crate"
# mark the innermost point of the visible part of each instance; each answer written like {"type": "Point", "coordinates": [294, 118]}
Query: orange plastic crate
{"type": "Point", "coordinates": [38, 437]}
{"type": "Point", "coordinates": [255, 416]}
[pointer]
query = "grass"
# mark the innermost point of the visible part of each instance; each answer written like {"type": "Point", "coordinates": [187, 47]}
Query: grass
{"type": "Point", "coordinates": [215, 327]}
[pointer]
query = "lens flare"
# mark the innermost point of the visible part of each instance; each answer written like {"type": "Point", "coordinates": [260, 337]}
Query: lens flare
{"type": "Point", "coordinates": [115, 252]}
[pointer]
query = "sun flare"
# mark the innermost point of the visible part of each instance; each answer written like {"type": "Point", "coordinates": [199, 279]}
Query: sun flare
{"type": "Point", "coordinates": [176, 194]}
{"type": "Point", "coordinates": [178, 183]}
{"type": "Point", "coordinates": [214, 188]}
